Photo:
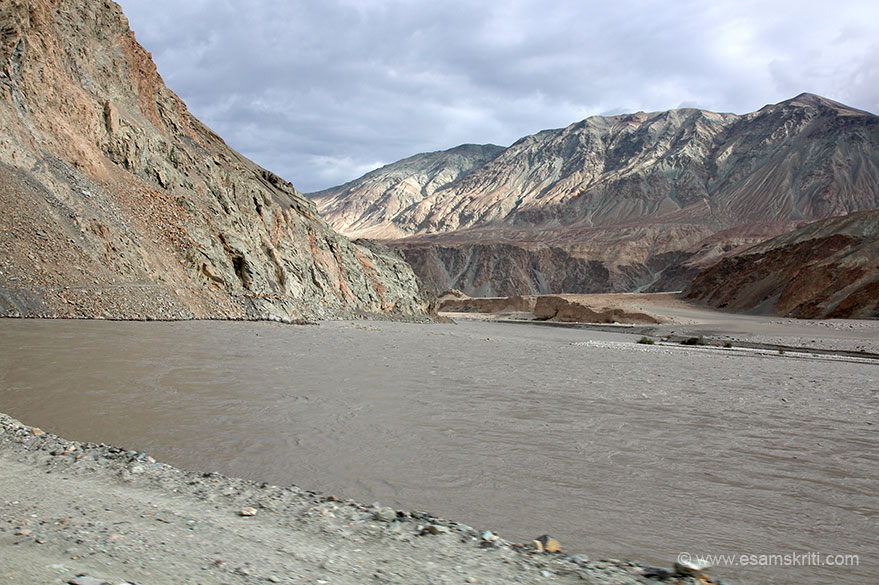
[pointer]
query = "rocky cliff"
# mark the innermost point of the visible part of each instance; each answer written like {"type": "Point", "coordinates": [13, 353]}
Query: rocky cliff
{"type": "Point", "coordinates": [117, 202]}
{"type": "Point", "coordinates": [652, 197]}
{"type": "Point", "coordinates": [827, 269]}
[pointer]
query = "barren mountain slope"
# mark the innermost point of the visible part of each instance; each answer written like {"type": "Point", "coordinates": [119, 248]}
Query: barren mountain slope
{"type": "Point", "coordinates": [117, 202]}
{"type": "Point", "coordinates": [805, 158]}
{"type": "Point", "coordinates": [670, 180]}
{"type": "Point", "coordinates": [826, 269]}
{"type": "Point", "coordinates": [369, 206]}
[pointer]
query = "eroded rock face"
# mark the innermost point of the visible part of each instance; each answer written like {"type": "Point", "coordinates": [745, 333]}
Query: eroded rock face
{"type": "Point", "coordinates": [503, 269]}
{"type": "Point", "coordinates": [645, 195]}
{"type": "Point", "coordinates": [561, 309]}
{"type": "Point", "coordinates": [496, 305]}
{"type": "Point", "coordinates": [117, 202]}
{"type": "Point", "coordinates": [648, 258]}
{"type": "Point", "coordinates": [828, 269]}
{"type": "Point", "coordinates": [543, 308]}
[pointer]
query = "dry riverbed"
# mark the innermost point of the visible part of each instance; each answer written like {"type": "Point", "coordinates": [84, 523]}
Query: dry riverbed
{"type": "Point", "coordinates": [88, 513]}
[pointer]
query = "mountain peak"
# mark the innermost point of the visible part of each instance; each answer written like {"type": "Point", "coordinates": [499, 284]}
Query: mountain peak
{"type": "Point", "coordinates": [816, 101]}
{"type": "Point", "coordinates": [810, 99]}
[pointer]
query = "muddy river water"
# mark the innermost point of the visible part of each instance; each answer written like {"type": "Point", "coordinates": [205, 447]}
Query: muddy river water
{"type": "Point", "coordinates": [616, 449]}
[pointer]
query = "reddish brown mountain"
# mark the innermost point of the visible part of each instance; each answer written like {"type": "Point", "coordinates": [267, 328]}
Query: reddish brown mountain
{"type": "Point", "coordinates": [826, 269]}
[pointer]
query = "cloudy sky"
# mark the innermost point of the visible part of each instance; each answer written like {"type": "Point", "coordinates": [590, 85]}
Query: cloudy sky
{"type": "Point", "coordinates": [321, 91]}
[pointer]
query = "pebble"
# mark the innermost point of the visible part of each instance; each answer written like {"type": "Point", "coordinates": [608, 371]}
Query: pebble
{"type": "Point", "coordinates": [489, 536]}
{"type": "Point", "coordinates": [692, 567]}
{"type": "Point", "coordinates": [435, 529]}
{"type": "Point", "coordinates": [579, 559]}
{"type": "Point", "coordinates": [547, 543]}
{"type": "Point", "coordinates": [247, 511]}
{"type": "Point", "coordinates": [656, 573]}
{"type": "Point", "coordinates": [385, 515]}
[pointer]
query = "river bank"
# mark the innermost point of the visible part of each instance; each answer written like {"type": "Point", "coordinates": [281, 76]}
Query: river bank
{"type": "Point", "coordinates": [74, 509]}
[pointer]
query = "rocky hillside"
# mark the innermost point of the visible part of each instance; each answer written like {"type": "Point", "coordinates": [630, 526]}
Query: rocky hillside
{"type": "Point", "coordinates": [117, 202]}
{"type": "Point", "coordinates": [673, 181]}
{"type": "Point", "coordinates": [634, 257]}
{"type": "Point", "coordinates": [826, 269]}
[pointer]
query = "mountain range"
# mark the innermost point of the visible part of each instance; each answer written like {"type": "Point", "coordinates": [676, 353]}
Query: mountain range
{"type": "Point", "coordinates": [118, 203]}
{"type": "Point", "coordinates": [641, 201]}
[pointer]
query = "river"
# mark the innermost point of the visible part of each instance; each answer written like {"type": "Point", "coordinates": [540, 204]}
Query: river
{"type": "Point", "coordinates": [616, 449]}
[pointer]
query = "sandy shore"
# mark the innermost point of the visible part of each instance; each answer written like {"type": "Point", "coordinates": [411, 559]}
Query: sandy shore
{"type": "Point", "coordinates": [680, 319]}
{"type": "Point", "coordinates": [79, 509]}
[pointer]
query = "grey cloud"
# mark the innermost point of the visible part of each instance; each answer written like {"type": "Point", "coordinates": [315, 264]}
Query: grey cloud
{"type": "Point", "coordinates": [320, 92]}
